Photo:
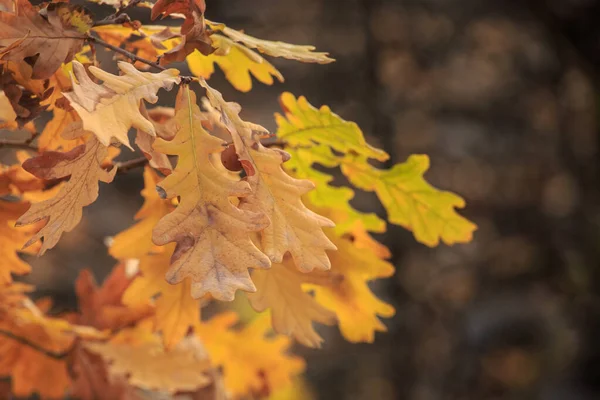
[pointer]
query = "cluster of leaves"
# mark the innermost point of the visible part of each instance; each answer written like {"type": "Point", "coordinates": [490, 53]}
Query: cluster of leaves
{"type": "Point", "coordinates": [224, 209]}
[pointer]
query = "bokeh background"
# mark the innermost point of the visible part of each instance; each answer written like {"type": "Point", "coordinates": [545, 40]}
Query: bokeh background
{"type": "Point", "coordinates": [503, 96]}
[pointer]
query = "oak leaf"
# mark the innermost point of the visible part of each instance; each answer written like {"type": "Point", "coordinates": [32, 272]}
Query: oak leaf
{"type": "Point", "coordinates": [292, 310]}
{"type": "Point", "coordinates": [52, 36]}
{"type": "Point", "coordinates": [337, 198]}
{"type": "Point", "coordinates": [159, 117]}
{"type": "Point", "coordinates": [275, 49]}
{"type": "Point", "coordinates": [254, 364]}
{"type": "Point", "coordinates": [91, 380]}
{"type": "Point", "coordinates": [33, 349]}
{"type": "Point", "coordinates": [144, 364]}
{"type": "Point", "coordinates": [293, 227]}
{"type": "Point", "coordinates": [110, 109]}
{"type": "Point", "coordinates": [12, 240]}
{"type": "Point", "coordinates": [212, 235]}
{"type": "Point", "coordinates": [83, 167]}
{"type": "Point", "coordinates": [102, 307]}
{"type": "Point", "coordinates": [177, 312]}
{"type": "Point", "coordinates": [348, 294]}
{"type": "Point", "coordinates": [408, 199]}
{"type": "Point", "coordinates": [411, 201]}
{"type": "Point", "coordinates": [237, 62]}
{"type": "Point", "coordinates": [304, 125]}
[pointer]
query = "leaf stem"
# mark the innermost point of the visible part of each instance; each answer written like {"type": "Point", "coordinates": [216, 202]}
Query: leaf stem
{"type": "Point", "coordinates": [126, 53]}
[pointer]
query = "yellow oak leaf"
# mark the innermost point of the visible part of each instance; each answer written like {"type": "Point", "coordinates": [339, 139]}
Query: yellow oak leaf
{"type": "Point", "coordinates": [292, 310]}
{"type": "Point", "coordinates": [253, 364]}
{"type": "Point", "coordinates": [177, 312]}
{"type": "Point", "coordinates": [325, 195]}
{"type": "Point", "coordinates": [110, 109]}
{"type": "Point", "coordinates": [12, 240]}
{"type": "Point", "coordinates": [304, 125]}
{"type": "Point", "coordinates": [348, 293]}
{"type": "Point", "coordinates": [49, 40]}
{"type": "Point", "coordinates": [83, 166]}
{"type": "Point", "coordinates": [214, 246]}
{"type": "Point", "coordinates": [237, 62]}
{"type": "Point", "coordinates": [136, 241]}
{"type": "Point", "coordinates": [293, 227]}
{"type": "Point", "coordinates": [147, 365]}
{"type": "Point", "coordinates": [274, 48]}
{"type": "Point", "coordinates": [411, 201]}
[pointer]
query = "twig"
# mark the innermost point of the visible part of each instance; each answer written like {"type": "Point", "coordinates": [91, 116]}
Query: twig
{"type": "Point", "coordinates": [13, 144]}
{"type": "Point", "coordinates": [125, 166]}
{"type": "Point", "coordinates": [126, 53]}
{"type": "Point", "coordinates": [49, 353]}
{"type": "Point", "coordinates": [113, 20]}
{"type": "Point", "coordinates": [119, 16]}
{"type": "Point", "coordinates": [134, 57]}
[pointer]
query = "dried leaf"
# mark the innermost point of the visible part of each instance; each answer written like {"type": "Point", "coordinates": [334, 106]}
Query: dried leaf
{"type": "Point", "coordinates": [275, 49]}
{"type": "Point", "coordinates": [110, 109]}
{"type": "Point", "coordinates": [293, 227]}
{"type": "Point", "coordinates": [83, 166]}
{"type": "Point", "coordinates": [212, 235]}
{"type": "Point", "coordinates": [145, 364]}
{"type": "Point", "coordinates": [52, 37]}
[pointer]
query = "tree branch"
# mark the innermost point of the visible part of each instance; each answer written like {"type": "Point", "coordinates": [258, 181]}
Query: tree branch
{"type": "Point", "coordinates": [126, 53]}
{"type": "Point", "coordinates": [49, 353]}
{"type": "Point", "coordinates": [13, 144]}
{"type": "Point", "coordinates": [134, 57]}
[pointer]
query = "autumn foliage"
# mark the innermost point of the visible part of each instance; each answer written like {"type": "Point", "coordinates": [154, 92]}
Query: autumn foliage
{"type": "Point", "coordinates": [228, 207]}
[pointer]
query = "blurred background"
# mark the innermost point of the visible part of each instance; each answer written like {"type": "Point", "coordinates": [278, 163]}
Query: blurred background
{"type": "Point", "coordinates": [503, 96]}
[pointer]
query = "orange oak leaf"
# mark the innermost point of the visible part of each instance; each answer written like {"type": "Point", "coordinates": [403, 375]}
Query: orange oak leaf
{"type": "Point", "coordinates": [177, 312]}
{"type": "Point", "coordinates": [101, 307]}
{"type": "Point", "coordinates": [34, 347]}
{"type": "Point", "coordinates": [52, 36]}
{"type": "Point", "coordinates": [293, 311]}
{"type": "Point", "coordinates": [214, 246]}
{"type": "Point", "coordinates": [83, 166]}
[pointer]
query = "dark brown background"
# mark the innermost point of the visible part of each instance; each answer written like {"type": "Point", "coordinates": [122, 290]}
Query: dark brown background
{"type": "Point", "coordinates": [503, 97]}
